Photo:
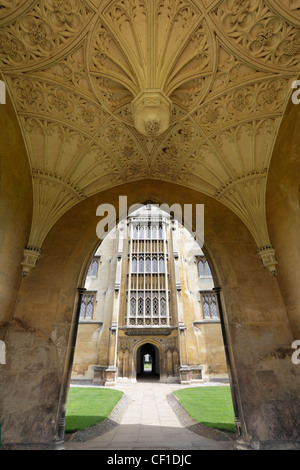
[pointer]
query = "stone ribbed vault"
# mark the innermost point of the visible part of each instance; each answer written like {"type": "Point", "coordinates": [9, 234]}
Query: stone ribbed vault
{"type": "Point", "coordinates": [73, 69]}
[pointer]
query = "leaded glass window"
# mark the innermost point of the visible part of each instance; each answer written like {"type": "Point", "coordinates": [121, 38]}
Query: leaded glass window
{"type": "Point", "coordinates": [82, 310]}
{"type": "Point", "coordinates": [160, 232]}
{"type": "Point", "coordinates": [163, 310]}
{"type": "Point", "coordinates": [132, 305]}
{"type": "Point", "coordinates": [140, 306]}
{"type": "Point", "coordinates": [134, 265]}
{"type": "Point", "coordinates": [148, 306]}
{"type": "Point", "coordinates": [155, 306]}
{"type": "Point", "coordinates": [161, 264]}
{"type": "Point", "coordinates": [87, 306]}
{"type": "Point", "coordinates": [209, 304]}
{"type": "Point", "coordinates": [206, 311]}
{"type": "Point", "coordinates": [203, 267]}
{"type": "Point", "coordinates": [207, 268]}
{"type": "Point", "coordinates": [93, 268]}
{"type": "Point", "coordinates": [135, 232]}
{"type": "Point", "coordinates": [89, 310]}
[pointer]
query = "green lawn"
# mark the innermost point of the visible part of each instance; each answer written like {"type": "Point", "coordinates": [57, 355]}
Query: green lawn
{"type": "Point", "coordinates": [211, 406]}
{"type": "Point", "coordinates": [89, 406]}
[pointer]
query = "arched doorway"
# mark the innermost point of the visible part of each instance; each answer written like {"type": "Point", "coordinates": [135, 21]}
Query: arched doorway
{"type": "Point", "coordinates": [49, 297]}
{"type": "Point", "coordinates": [147, 362]}
{"type": "Point", "coordinates": [145, 304]}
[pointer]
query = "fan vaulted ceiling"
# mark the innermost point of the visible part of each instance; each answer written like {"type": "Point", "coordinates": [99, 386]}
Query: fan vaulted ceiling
{"type": "Point", "coordinates": [74, 67]}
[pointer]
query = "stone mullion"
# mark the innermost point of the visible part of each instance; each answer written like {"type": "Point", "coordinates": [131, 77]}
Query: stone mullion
{"type": "Point", "coordinates": [144, 277]}
{"type": "Point", "coordinates": [166, 275]}
{"type": "Point", "coordinates": [151, 273]}
{"type": "Point", "coordinates": [129, 277]}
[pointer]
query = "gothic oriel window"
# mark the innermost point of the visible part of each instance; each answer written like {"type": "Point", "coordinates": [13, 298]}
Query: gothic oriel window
{"type": "Point", "coordinates": [87, 306]}
{"type": "Point", "coordinates": [148, 295]}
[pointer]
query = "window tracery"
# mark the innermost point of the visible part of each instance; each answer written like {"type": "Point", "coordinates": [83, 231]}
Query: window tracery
{"type": "Point", "coordinates": [148, 297]}
{"type": "Point", "coordinates": [93, 268]}
{"type": "Point", "coordinates": [87, 306]}
{"type": "Point", "coordinates": [203, 267]}
{"type": "Point", "coordinates": [209, 306]}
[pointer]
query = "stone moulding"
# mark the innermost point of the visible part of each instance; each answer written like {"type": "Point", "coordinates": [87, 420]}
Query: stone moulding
{"type": "Point", "coordinates": [31, 256]}
{"type": "Point", "coordinates": [141, 332]}
{"type": "Point", "coordinates": [152, 110]}
{"type": "Point", "coordinates": [267, 256]}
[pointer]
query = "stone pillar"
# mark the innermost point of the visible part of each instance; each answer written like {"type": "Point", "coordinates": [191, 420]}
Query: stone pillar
{"type": "Point", "coordinates": [61, 422]}
{"type": "Point", "coordinates": [184, 374]}
{"type": "Point", "coordinates": [111, 373]}
{"type": "Point", "coordinates": [233, 384]}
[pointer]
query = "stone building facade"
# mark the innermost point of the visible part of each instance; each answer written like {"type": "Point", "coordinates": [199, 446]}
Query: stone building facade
{"type": "Point", "coordinates": [224, 133]}
{"type": "Point", "coordinates": [149, 291]}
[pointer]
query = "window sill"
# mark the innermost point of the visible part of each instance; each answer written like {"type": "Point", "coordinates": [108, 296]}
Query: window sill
{"type": "Point", "coordinates": [207, 320]}
{"type": "Point", "coordinates": [88, 322]}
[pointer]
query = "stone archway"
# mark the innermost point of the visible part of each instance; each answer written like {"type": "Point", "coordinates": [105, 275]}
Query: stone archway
{"type": "Point", "coordinates": [152, 351]}
{"type": "Point", "coordinates": [41, 334]}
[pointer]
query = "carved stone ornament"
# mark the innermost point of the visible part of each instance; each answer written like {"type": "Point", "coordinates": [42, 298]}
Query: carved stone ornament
{"type": "Point", "coordinates": [184, 91]}
{"type": "Point", "coordinates": [144, 332]}
{"type": "Point", "coordinates": [151, 111]}
{"type": "Point", "coordinates": [267, 255]}
{"type": "Point", "coordinates": [31, 256]}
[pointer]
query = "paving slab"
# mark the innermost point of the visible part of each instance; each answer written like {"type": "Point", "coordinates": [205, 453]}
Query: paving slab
{"type": "Point", "coordinates": [149, 423]}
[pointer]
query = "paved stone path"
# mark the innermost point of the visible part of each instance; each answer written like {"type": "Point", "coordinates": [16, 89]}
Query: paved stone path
{"type": "Point", "coordinates": [149, 422]}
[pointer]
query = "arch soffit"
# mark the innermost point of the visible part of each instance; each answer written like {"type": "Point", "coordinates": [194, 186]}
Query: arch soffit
{"type": "Point", "coordinates": [148, 340]}
{"type": "Point", "coordinates": [74, 240]}
{"type": "Point", "coordinates": [74, 71]}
